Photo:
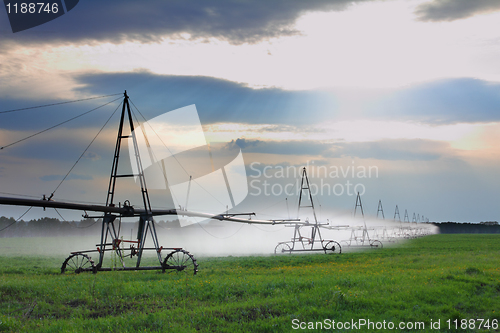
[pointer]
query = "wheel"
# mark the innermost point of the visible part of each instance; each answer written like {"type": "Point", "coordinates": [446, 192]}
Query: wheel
{"type": "Point", "coordinates": [77, 263]}
{"type": "Point", "coordinates": [180, 261]}
{"type": "Point", "coordinates": [282, 248]}
{"type": "Point", "coordinates": [376, 244]}
{"type": "Point", "coordinates": [332, 247]}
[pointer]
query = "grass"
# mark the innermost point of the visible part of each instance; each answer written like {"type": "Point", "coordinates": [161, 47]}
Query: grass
{"type": "Point", "coordinates": [439, 277]}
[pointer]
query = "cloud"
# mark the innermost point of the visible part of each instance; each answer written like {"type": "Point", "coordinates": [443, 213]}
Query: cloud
{"type": "Point", "coordinates": [245, 144]}
{"type": "Point", "coordinates": [217, 100]}
{"type": "Point", "coordinates": [92, 156]}
{"type": "Point", "coordinates": [450, 10]}
{"type": "Point", "coordinates": [232, 20]}
{"type": "Point", "coordinates": [305, 147]}
{"type": "Point", "coordinates": [393, 150]}
{"type": "Point", "coordinates": [442, 102]}
{"type": "Point", "coordinates": [451, 101]}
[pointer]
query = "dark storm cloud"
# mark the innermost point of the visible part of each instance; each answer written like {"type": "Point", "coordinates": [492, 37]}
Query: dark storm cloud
{"type": "Point", "coordinates": [442, 102]}
{"type": "Point", "coordinates": [232, 20]}
{"type": "Point", "coordinates": [216, 100]}
{"type": "Point", "coordinates": [450, 10]}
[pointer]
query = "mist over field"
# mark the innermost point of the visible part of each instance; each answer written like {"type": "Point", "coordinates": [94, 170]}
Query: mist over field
{"type": "Point", "coordinates": [213, 238]}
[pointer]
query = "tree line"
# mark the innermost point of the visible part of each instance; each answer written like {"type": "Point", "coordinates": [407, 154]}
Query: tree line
{"type": "Point", "coordinates": [53, 227]}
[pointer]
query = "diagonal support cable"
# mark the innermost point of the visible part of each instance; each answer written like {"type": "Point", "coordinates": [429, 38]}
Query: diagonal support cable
{"type": "Point", "coordinates": [42, 106]}
{"type": "Point", "coordinates": [79, 158]}
{"type": "Point", "coordinates": [52, 127]}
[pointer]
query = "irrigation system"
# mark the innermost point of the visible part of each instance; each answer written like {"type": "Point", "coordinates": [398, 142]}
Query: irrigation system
{"type": "Point", "coordinates": [307, 235]}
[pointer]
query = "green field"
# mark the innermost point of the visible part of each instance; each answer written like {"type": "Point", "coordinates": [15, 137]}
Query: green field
{"type": "Point", "coordinates": [440, 277]}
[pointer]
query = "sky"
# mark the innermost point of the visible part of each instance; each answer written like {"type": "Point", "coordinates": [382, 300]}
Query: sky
{"type": "Point", "coordinates": [396, 99]}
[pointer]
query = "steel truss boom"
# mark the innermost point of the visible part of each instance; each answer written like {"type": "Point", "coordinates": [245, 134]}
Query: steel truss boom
{"type": "Point", "coordinates": [130, 211]}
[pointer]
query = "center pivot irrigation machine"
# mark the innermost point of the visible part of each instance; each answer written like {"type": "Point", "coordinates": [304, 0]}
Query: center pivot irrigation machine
{"type": "Point", "coordinates": [177, 259]}
{"type": "Point", "coordinates": [315, 241]}
{"type": "Point", "coordinates": [359, 235]}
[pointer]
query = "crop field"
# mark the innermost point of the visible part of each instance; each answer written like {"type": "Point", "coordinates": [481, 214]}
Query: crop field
{"type": "Point", "coordinates": [448, 280]}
